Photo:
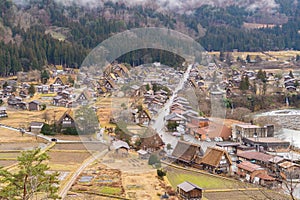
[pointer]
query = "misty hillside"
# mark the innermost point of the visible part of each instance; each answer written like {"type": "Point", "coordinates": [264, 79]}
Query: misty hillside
{"type": "Point", "coordinates": [34, 33]}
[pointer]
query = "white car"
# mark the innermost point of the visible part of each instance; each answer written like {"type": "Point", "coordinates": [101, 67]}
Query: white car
{"type": "Point", "coordinates": [208, 140]}
{"type": "Point", "coordinates": [176, 134]}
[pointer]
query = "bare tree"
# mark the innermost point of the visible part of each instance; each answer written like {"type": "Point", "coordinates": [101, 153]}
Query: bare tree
{"type": "Point", "coordinates": [46, 116]}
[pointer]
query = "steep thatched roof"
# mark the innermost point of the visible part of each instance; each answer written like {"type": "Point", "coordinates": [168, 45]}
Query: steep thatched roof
{"type": "Point", "coordinates": [68, 113]}
{"type": "Point", "coordinates": [213, 156]}
{"type": "Point", "coordinates": [150, 139]}
{"type": "Point", "coordinates": [187, 152]}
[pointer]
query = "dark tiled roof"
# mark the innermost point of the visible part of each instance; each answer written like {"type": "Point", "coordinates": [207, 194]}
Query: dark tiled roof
{"type": "Point", "coordinates": [253, 155]}
{"type": "Point", "coordinates": [248, 166]}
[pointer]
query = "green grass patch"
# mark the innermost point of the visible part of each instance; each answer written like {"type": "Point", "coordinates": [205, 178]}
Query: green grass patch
{"type": "Point", "coordinates": [110, 190]}
{"type": "Point", "coordinates": [177, 176]}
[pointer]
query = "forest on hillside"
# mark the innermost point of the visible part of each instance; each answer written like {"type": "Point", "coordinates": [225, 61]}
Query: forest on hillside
{"type": "Point", "coordinates": [30, 44]}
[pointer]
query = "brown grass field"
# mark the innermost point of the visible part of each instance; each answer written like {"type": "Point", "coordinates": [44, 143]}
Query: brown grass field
{"type": "Point", "coordinates": [22, 118]}
{"type": "Point", "coordinates": [241, 195]}
{"type": "Point", "coordinates": [142, 185]}
{"type": "Point", "coordinates": [80, 196]}
{"type": "Point", "coordinates": [20, 145]}
{"type": "Point", "coordinates": [6, 163]}
{"type": "Point", "coordinates": [10, 136]}
{"type": "Point", "coordinates": [9, 156]}
{"type": "Point", "coordinates": [275, 55]}
{"type": "Point", "coordinates": [67, 158]}
{"type": "Point", "coordinates": [80, 146]}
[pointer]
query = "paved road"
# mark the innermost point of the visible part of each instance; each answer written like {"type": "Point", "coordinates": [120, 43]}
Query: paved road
{"type": "Point", "coordinates": [160, 122]}
{"type": "Point", "coordinates": [63, 192]}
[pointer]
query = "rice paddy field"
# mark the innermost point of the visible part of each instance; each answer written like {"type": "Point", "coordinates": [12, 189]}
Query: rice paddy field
{"type": "Point", "coordinates": [221, 189]}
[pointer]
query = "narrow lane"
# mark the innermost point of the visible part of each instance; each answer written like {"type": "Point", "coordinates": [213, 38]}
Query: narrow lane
{"type": "Point", "coordinates": [160, 122]}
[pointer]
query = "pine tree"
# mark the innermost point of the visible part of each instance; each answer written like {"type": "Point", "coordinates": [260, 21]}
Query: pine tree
{"type": "Point", "coordinates": [31, 179]}
{"type": "Point", "coordinates": [291, 74]}
{"type": "Point", "coordinates": [31, 90]}
{"type": "Point", "coordinates": [44, 77]}
{"type": "Point", "coordinates": [248, 59]}
{"type": "Point", "coordinates": [244, 84]}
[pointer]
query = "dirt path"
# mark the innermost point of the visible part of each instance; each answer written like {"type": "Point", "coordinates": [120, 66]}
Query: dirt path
{"type": "Point", "coordinates": [64, 189]}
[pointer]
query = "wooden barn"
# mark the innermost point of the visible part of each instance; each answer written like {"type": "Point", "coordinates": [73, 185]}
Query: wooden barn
{"type": "Point", "coordinates": [189, 191]}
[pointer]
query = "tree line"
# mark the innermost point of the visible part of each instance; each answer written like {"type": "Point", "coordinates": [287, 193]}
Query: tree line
{"type": "Point", "coordinates": [86, 28]}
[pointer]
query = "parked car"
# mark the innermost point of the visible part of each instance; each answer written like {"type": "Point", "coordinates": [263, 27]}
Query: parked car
{"type": "Point", "coordinates": [177, 134]}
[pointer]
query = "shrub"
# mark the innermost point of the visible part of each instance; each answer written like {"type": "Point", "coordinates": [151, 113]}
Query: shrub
{"type": "Point", "coordinates": [70, 131]}
{"type": "Point", "coordinates": [161, 173]}
{"type": "Point", "coordinates": [47, 130]}
{"type": "Point", "coordinates": [153, 159]}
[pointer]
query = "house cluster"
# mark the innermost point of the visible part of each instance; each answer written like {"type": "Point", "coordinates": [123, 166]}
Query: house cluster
{"type": "Point", "coordinates": [213, 159]}
{"type": "Point", "coordinates": [152, 102]}
{"type": "Point", "coordinates": [151, 143]}
{"type": "Point", "coordinates": [290, 83]}
{"type": "Point", "coordinates": [151, 90]}
{"type": "Point", "coordinates": [233, 80]}
{"type": "Point", "coordinates": [186, 120]}
{"type": "Point", "coordinates": [195, 79]}
{"type": "Point", "coordinates": [244, 162]}
{"type": "Point", "coordinates": [18, 103]}
{"type": "Point", "coordinates": [64, 121]}
{"type": "Point", "coordinates": [9, 96]}
{"type": "Point", "coordinates": [266, 169]}
{"type": "Point", "coordinates": [112, 76]}
{"type": "Point", "coordinates": [67, 96]}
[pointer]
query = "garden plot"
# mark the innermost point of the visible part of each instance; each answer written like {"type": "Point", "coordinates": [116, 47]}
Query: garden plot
{"type": "Point", "coordinates": [142, 185]}
{"type": "Point", "coordinates": [129, 164]}
{"type": "Point", "coordinates": [102, 181]}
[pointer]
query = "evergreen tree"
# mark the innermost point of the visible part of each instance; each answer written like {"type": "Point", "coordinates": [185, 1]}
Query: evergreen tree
{"type": "Point", "coordinates": [31, 90]}
{"type": "Point", "coordinates": [262, 75]}
{"type": "Point", "coordinates": [244, 84]}
{"type": "Point", "coordinates": [31, 178]}
{"type": "Point", "coordinates": [222, 56]}
{"type": "Point", "coordinates": [248, 59]}
{"type": "Point", "coordinates": [5, 85]}
{"type": "Point", "coordinates": [291, 74]}
{"type": "Point", "coordinates": [44, 77]}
